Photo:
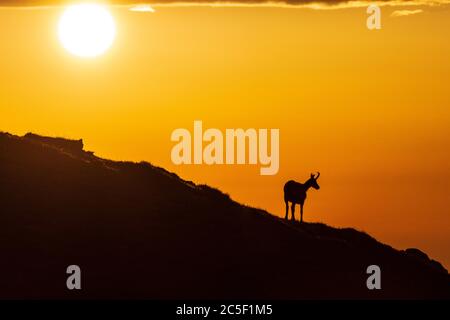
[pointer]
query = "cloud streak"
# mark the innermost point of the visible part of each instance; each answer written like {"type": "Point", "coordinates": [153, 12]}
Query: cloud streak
{"type": "Point", "coordinates": [142, 8]}
{"type": "Point", "coordinates": [404, 13]}
{"type": "Point", "coordinates": [312, 4]}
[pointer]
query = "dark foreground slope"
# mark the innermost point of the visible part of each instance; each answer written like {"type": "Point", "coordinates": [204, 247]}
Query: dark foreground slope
{"type": "Point", "coordinates": [138, 231]}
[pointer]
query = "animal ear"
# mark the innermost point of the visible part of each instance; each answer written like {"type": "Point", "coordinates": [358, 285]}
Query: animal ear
{"type": "Point", "coordinates": [312, 175]}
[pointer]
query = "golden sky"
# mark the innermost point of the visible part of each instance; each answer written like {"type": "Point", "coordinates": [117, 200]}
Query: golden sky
{"type": "Point", "coordinates": [370, 110]}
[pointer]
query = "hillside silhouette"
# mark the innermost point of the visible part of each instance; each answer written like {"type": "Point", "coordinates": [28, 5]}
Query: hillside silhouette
{"type": "Point", "coordinates": [139, 231]}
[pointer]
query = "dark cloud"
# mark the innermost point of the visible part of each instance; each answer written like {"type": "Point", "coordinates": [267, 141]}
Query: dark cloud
{"type": "Point", "coordinates": [25, 3]}
{"type": "Point", "coordinates": [131, 2]}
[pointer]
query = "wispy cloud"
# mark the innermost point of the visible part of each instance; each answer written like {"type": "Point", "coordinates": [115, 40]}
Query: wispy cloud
{"type": "Point", "coordinates": [404, 13]}
{"type": "Point", "coordinates": [142, 8]}
{"type": "Point", "coordinates": [148, 5]}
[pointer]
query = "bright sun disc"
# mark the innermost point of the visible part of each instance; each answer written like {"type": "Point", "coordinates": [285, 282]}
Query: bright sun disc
{"type": "Point", "coordinates": [86, 30]}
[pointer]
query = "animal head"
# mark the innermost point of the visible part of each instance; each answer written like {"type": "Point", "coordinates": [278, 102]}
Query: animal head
{"type": "Point", "coordinates": [313, 181]}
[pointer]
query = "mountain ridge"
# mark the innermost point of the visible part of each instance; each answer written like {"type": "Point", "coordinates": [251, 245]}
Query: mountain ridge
{"type": "Point", "coordinates": [164, 237]}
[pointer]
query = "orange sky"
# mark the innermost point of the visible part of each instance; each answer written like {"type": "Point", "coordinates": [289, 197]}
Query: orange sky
{"type": "Point", "coordinates": [368, 109]}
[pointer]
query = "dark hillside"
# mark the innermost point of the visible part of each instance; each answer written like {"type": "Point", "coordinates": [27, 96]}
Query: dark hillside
{"type": "Point", "coordinates": [138, 231]}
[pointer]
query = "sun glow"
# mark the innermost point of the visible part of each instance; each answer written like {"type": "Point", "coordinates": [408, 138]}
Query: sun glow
{"type": "Point", "coordinates": [86, 30]}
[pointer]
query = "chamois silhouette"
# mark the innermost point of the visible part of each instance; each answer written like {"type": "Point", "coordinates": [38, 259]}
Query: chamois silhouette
{"type": "Point", "coordinates": [295, 193]}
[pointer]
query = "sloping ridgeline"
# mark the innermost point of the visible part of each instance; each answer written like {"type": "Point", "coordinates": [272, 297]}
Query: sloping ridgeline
{"type": "Point", "coordinates": [138, 231]}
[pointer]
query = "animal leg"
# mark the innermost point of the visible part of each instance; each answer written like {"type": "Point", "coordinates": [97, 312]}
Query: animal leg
{"type": "Point", "coordinates": [293, 211]}
{"type": "Point", "coordinates": [301, 212]}
{"type": "Point", "coordinates": [287, 210]}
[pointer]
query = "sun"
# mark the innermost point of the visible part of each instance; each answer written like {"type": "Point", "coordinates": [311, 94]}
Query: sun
{"type": "Point", "coordinates": [86, 30]}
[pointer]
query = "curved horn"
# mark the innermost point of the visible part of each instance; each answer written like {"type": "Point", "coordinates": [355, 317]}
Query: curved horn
{"type": "Point", "coordinates": [318, 175]}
